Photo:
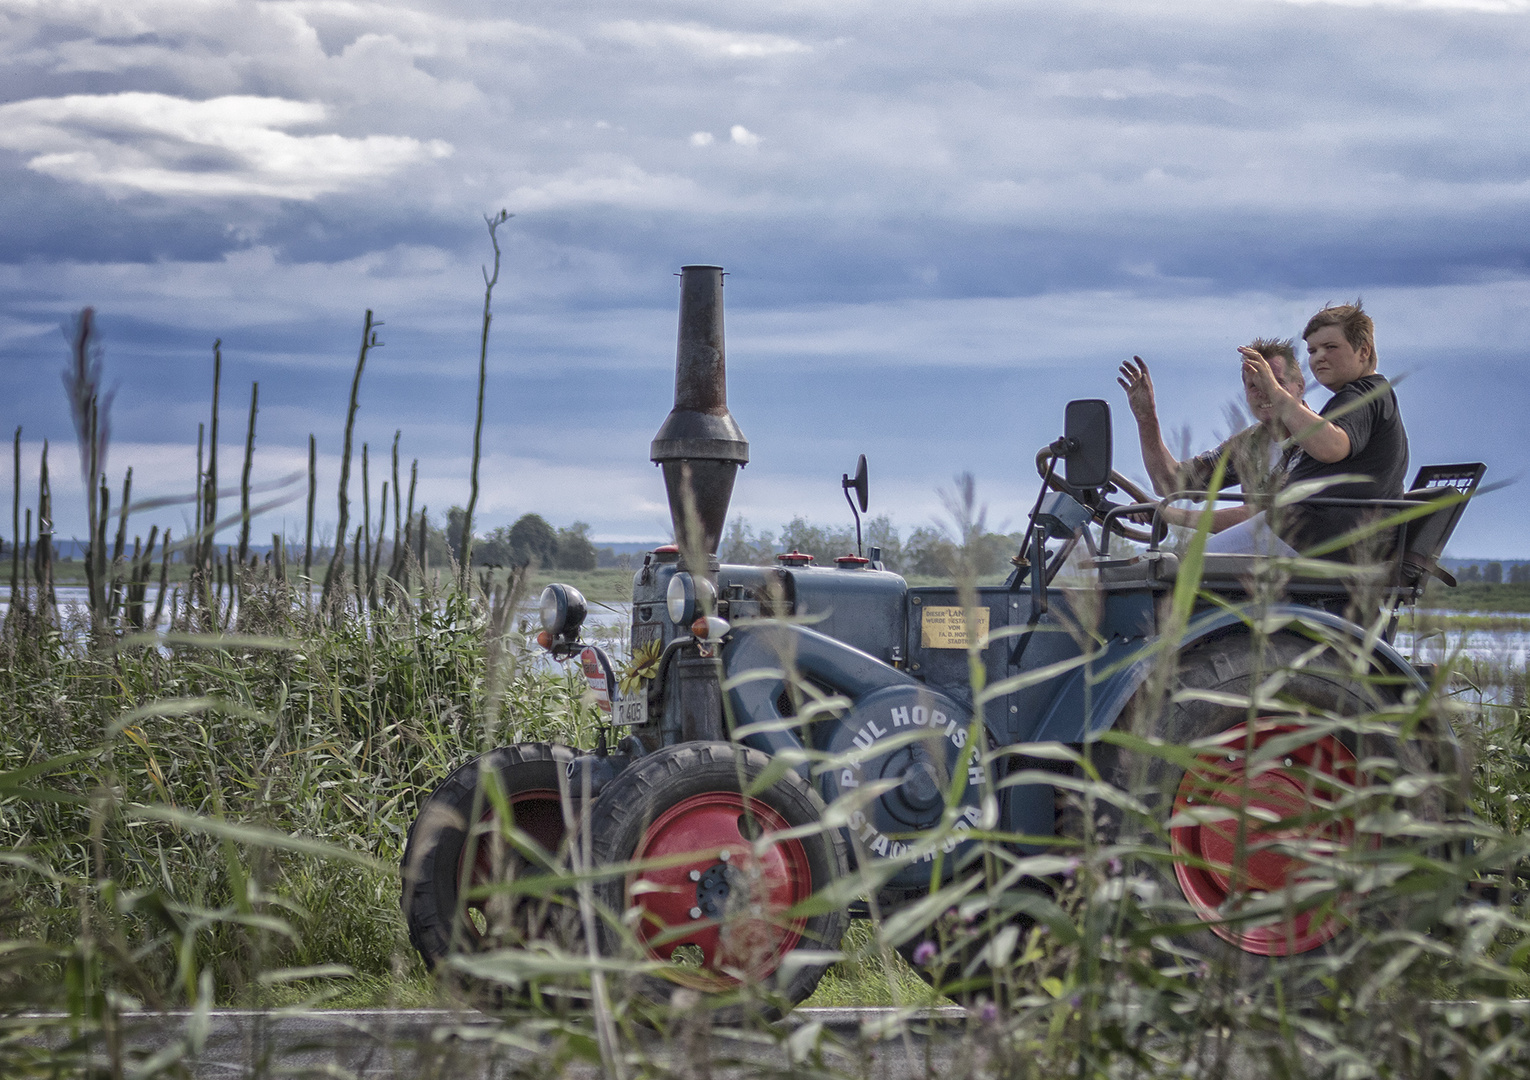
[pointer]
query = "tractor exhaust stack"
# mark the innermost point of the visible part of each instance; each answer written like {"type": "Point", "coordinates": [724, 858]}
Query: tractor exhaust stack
{"type": "Point", "coordinates": [700, 446]}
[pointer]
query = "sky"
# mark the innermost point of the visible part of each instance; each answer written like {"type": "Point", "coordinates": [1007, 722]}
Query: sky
{"type": "Point", "coordinates": [941, 221]}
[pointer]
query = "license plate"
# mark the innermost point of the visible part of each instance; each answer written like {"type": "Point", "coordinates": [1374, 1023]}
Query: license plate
{"type": "Point", "coordinates": [629, 710]}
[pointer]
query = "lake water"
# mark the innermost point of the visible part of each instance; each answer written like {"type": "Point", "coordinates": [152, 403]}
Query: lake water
{"type": "Point", "coordinates": [1499, 654]}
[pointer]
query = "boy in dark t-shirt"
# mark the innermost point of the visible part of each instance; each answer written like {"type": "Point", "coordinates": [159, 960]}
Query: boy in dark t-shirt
{"type": "Point", "coordinates": [1359, 432]}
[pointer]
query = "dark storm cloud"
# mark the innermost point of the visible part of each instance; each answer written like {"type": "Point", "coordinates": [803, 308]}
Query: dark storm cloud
{"type": "Point", "coordinates": [921, 207]}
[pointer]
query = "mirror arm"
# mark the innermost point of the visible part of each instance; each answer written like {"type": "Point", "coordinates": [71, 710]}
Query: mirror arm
{"type": "Point", "coordinates": [846, 483]}
{"type": "Point", "coordinates": [1038, 572]}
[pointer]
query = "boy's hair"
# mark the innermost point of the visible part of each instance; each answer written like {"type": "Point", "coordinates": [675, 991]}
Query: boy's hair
{"type": "Point", "coordinates": [1290, 375]}
{"type": "Point", "coordinates": [1358, 329]}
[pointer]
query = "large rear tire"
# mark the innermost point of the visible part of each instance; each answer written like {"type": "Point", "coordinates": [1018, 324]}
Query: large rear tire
{"type": "Point", "coordinates": [458, 851]}
{"type": "Point", "coordinates": [717, 909]}
{"type": "Point", "coordinates": [1273, 810]}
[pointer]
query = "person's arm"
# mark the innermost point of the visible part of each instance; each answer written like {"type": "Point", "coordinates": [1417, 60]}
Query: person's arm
{"type": "Point", "coordinates": [1161, 466]}
{"type": "Point", "coordinates": [1321, 439]}
{"type": "Point", "coordinates": [1190, 517]}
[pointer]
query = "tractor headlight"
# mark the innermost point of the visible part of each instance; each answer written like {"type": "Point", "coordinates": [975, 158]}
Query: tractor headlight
{"type": "Point", "coordinates": [687, 597]}
{"type": "Point", "coordinates": [563, 610]}
{"type": "Point", "coordinates": [680, 599]}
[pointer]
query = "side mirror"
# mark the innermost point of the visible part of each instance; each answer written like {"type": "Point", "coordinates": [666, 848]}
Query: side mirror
{"type": "Point", "coordinates": [1086, 431]}
{"type": "Point", "coordinates": [858, 484]}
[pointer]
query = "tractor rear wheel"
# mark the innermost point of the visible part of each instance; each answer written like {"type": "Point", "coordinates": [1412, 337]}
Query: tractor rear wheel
{"type": "Point", "coordinates": [713, 883]}
{"type": "Point", "coordinates": [459, 849]}
{"type": "Point", "coordinates": [1261, 834]}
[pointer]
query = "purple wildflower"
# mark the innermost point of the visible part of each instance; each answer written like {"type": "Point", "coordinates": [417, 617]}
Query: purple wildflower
{"type": "Point", "coordinates": [989, 1013]}
{"type": "Point", "coordinates": [1115, 865]}
{"type": "Point", "coordinates": [924, 952]}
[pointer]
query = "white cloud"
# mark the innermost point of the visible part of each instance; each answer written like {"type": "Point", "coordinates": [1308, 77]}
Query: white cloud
{"type": "Point", "coordinates": [609, 181]}
{"type": "Point", "coordinates": [703, 40]}
{"type": "Point", "coordinates": [167, 145]}
{"type": "Point", "coordinates": [701, 138]}
{"type": "Point", "coordinates": [743, 136]}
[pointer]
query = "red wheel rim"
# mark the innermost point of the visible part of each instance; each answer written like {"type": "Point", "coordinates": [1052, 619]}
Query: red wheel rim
{"type": "Point", "coordinates": [725, 901]}
{"type": "Point", "coordinates": [537, 812]}
{"type": "Point", "coordinates": [1291, 800]}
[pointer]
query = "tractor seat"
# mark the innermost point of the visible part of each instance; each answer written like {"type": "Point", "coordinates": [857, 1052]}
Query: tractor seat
{"type": "Point", "coordinates": [1424, 538]}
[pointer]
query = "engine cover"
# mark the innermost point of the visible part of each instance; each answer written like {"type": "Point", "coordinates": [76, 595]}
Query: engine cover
{"type": "Point", "coordinates": [917, 737]}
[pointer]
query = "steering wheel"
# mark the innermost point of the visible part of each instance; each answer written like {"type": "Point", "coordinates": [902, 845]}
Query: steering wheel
{"type": "Point", "coordinates": [1119, 525]}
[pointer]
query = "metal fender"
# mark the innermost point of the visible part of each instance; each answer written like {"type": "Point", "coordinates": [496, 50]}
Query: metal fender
{"type": "Point", "coordinates": [1067, 720]}
{"type": "Point", "coordinates": [755, 659]}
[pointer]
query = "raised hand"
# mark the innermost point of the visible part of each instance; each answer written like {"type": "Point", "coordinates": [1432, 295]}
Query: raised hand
{"type": "Point", "coordinates": [1138, 384]}
{"type": "Point", "coordinates": [1258, 374]}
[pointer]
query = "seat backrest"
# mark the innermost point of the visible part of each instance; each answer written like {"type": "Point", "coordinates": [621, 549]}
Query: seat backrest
{"type": "Point", "coordinates": [1424, 538]}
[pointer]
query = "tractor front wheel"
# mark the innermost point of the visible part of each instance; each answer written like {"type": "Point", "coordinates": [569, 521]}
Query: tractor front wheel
{"type": "Point", "coordinates": [713, 871]}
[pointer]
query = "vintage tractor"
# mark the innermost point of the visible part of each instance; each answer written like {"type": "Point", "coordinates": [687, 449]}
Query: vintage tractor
{"type": "Point", "coordinates": [782, 731]}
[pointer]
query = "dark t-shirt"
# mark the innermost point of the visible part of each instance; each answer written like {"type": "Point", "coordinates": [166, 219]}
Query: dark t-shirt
{"type": "Point", "coordinates": [1378, 450]}
{"type": "Point", "coordinates": [1255, 463]}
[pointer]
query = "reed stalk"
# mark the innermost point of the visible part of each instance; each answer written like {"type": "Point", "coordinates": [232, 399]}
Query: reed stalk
{"type": "Point", "coordinates": [233, 595]}
{"type": "Point", "coordinates": [98, 554]}
{"type": "Point", "coordinates": [313, 491]}
{"type": "Point", "coordinates": [26, 561]}
{"type": "Point", "coordinates": [143, 561]}
{"type": "Point", "coordinates": [90, 410]}
{"type": "Point", "coordinates": [164, 579]}
{"type": "Point", "coordinates": [197, 487]}
{"type": "Point", "coordinates": [365, 532]}
{"type": "Point", "coordinates": [16, 512]}
{"type": "Point", "coordinates": [377, 548]}
{"type": "Point", "coordinates": [47, 600]}
{"type": "Point", "coordinates": [119, 548]}
{"type": "Point", "coordinates": [244, 476]}
{"type": "Point", "coordinates": [402, 556]}
{"type": "Point", "coordinates": [489, 281]}
{"type": "Point", "coordinates": [337, 560]}
{"type": "Point", "coordinates": [397, 516]}
{"type": "Point", "coordinates": [210, 513]}
{"type": "Point", "coordinates": [424, 550]}
{"type": "Point", "coordinates": [357, 584]}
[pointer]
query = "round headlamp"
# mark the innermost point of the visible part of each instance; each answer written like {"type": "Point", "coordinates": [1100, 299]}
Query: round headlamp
{"type": "Point", "coordinates": [687, 597]}
{"type": "Point", "coordinates": [680, 599]}
{"type": "Point", "coordinates": [562, 610]}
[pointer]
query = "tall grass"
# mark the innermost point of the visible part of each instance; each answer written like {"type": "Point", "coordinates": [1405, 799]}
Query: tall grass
{"type": "Point", "coordinates": [196, 822]}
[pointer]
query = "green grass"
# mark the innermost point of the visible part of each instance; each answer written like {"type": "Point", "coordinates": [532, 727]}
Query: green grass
{"type": "Point", "coordinates": [1478, 596]}
{"type": "Point", "coordinates": [871, 976]}
{"type": "Point", "coordinates": [334, 729]}
{"type": "Point", "coordinates": [220, 820]}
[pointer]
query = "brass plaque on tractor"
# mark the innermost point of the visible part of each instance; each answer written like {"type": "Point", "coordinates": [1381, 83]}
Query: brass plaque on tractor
{"type": "Point", "coordinates": [946, 627]}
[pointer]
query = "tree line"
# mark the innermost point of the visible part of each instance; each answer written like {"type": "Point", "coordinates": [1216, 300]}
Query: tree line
{"type": "Point", "coordinates": [1492, 573]}
{"type": "Point", "coordinates": [531, 540]}
{"type": "Point", "coordinates": [927, 550]}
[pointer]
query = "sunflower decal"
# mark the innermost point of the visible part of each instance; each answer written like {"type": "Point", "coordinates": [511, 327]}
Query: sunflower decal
{"type": "Point", "coordinates": [644, 666]}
